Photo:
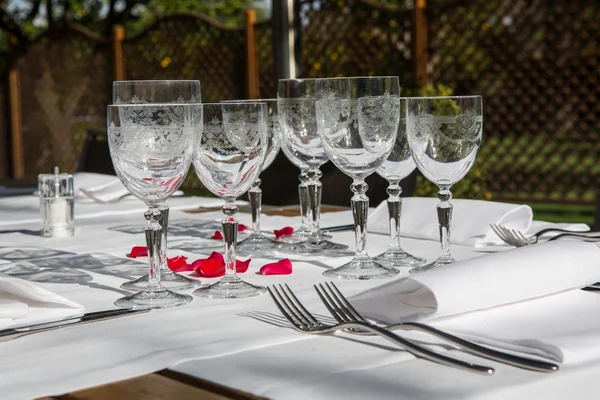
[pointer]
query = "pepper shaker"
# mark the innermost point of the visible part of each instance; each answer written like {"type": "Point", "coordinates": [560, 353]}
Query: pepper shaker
{"type": "Point", "coordinates": [56, 204]}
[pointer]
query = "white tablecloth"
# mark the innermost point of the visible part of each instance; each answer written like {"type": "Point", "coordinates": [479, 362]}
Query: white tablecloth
{"type": "Point", "coordinates": [220, 340]}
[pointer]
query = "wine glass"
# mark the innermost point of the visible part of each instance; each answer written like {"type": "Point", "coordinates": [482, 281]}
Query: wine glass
{"type": "Point", "coordinates": [257, 241]}
{"type": "Point", "coordinates": [444, 134]}
{"type": "Point", "coordinates": [396, 167]}
{"type": "Point", "coordinates": [160, 91]}
{"type": "Point", "coordinates": [357, 120]}
{"type": "Point", "coordinates": [151, 149]}
{"type": "Point", "coordinates": [301, 142]}
{"type": "Point", "coordinates": [228, 159]}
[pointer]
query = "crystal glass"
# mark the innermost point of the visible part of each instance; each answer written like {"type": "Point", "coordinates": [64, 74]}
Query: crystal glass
{"type": "Point", "coordinates": [257, 241]}
{"type": "Point", "coordinates": [160, 91]}
{"type": "Point", "coordinates": [396, 167]}
{"type": "Point", "coordinates": [302, 145]}
{"type": "Point", "coordinates": [228, 160]}
{"type": "Point", "coordinates": [151, 149]}
{"type": "Point", "coordinates": [444, 134]}
{"type": "Point", "coordinates": [357, 120]}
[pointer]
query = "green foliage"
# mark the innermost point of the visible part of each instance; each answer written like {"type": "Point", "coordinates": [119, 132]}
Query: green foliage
{"type": "Point", "coordinates": [474, 184]}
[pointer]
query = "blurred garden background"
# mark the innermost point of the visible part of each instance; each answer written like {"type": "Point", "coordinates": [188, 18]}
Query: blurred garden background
{"type": "Point", "coordinates": [535, 62]}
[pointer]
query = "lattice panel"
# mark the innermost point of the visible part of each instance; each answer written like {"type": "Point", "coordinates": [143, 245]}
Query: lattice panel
{"type": "Point", "coordinates": [353, 40]}
{"type": "Point", "coordinates": [4, 123]}
{"type": "Point", "coordinates": [65, 86]}
{"type": "Point", "coordinates": [537, 65]}
{"type": "Point", "coordinates": [189, 47]}
{"type": "Point", "coordinates": [266, 61]}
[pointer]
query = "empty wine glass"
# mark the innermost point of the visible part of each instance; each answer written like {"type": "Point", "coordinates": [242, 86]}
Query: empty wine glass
{"type": "Point", "coordinates": [151, 148]}
{"type": "Point", "coordinates": [396, 167]}
{"type": "Point", "coordinates": [160, 91]}
{"type": "Point", "coordinates": [444, 134]}
{"type": "Point", "coordinates": [257, 241]}
{"type": "Point", "coordinates": [228, 159]}
{"type": "Point", "coordinates": [301, 142]}
{"type": "Point", "coordinates": [357, 119]}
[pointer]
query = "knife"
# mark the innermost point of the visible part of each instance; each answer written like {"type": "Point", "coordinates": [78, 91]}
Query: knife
{"type": "Point", "coordinates": [14, 333]}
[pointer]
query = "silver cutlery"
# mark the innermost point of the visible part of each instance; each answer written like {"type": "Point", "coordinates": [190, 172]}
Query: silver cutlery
{"type": "Point", "coordinates": [14, 333]}
{"type": "Point", "coordinates": [518, 239]}
{"type": "Point", "coordinates": [341, 309]}
{"type": "Point", "coordinates": [303, 321]}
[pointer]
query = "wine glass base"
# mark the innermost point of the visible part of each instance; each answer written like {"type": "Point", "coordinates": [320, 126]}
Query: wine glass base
{"type": "Point", "coordinates": [440, 262]}
{"type": "Point", "coordinates": [256, 242]}
{"type": "Point", "coordinates": [230, 288]}
{"type": "Point", "coordinates": [300, 236]}
{"type": "Point", "coordinates": [312, 247]}
{"type": "Point", "coordinates": [161, 298]}
{"type": "Point", "coordinates": [398, 258]}
{"type": "Point", "coordinates": [361, 269]}
{"type": "Point", "coordinates": [168, 280]}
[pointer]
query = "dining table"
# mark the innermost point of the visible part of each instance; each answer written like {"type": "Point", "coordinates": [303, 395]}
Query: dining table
{"type": "Point", "coordinates": [244, 348]}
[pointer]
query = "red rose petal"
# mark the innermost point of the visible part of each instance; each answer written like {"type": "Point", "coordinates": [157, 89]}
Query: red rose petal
{"type": "Point", "coordinates": [179, 264]}
{"type": "Point", "coordinates": [138, 251]}
{"type": "Point", "coordinates": [217, 235]}
{"type": "Point", "coordinates": [242, 227]}
{"type": "Point", "coordinates": [285, 231]}
{"type": "Point", "coordinates": [281, 267]}
{"type": "Point", "coordinates": [215, 255]}
{"type": "Point", "coordinates": [242, 266]}
{"type": "Point", "coordinates": [208, 268]}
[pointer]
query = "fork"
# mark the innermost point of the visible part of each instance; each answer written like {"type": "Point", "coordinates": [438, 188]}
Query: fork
{"type": "Point", "coordinates": [303, 321]}
{"type": "Point", "coordinates": [341, 309]}
{"type": "Point", "coordinates": [518, 239]}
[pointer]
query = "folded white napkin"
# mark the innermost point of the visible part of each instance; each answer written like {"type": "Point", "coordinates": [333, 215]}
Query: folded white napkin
{"type": "Point", "coordinates": [484, 282]}
{"type": "Point", "coordinates": [98, 187]}
{"type": "Point", "coordinates": [24, 303]}
{"type": "Point", "coordinates": [471, 220]}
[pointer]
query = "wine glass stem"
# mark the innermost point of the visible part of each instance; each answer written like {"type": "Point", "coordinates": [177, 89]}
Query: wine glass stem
{"type": "Point", "coordinates": [230, 225]}
{"type": "Point", "coordinates": [444, 212]}
{"type": "Point", "coordinates": [394, 203]}
{"type": "Point", "coordinates": [163, 220]}
{"type": "Point", "coordinates": [255, 198]}
{"type": "Point", "coordinates": [154, 234]}
{"type": "Point", "coordinates": [314, 195]}
{"type": "Point", "coordinates": [360, 210]}
{"type": "Point", "coordinates": [304, 198]}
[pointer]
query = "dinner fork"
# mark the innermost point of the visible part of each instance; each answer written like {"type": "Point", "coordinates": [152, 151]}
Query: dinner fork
{"type": "Point", "coordinates": [303, 321]}
{"type": "Point", "coordinates": [518, 239]}
{"type": "Point", "coordinates": [341, 309]}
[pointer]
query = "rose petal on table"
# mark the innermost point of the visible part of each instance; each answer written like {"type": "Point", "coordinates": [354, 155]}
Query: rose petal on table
{"type": "Point", "coordinates": [285, 231]}
{"type": "Point", "coordinates": [208, 268]}
{"type": "Point", "coordinates": [281, 267]}
{"type": "Point", "coordinates": [242, 227]}
{"type": "Point", "coordinates": [242, 266]}
{"type": "Point", "coordinates": [217, 235]}
{"type": "Point", "coordinates": [179, 264]}
{"type": "Point", "coordinates": [138, 251]}
{"type": "Point", "coordinates": [215, 255]}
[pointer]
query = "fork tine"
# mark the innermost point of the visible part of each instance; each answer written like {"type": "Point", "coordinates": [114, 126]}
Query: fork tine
{"type": "Point", "coordinates": [285, 309]}
{"type": "Point", "coordinates": [345, 301]}
{"type": "Point", "coordinates": [299, 304]}
{"type": "Point", "coordinates": [522, 238]}
{"type": "Point", "coordinates": [333, 311]}
{"type": "Point", "coordinates": [504, 234]}
{"type": "Point", "coordinates": [307, 320]}
{"type": "Point", "coordinates": [341, 307]}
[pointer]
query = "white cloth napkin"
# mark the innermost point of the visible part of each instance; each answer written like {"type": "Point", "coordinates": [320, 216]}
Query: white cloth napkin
{"type": "Point", "coordinates": [484, 282]}
{"type": "Point", "coordinates": [24, 303]}
{"type": "Point", "coordinates": [471, 220]}
{"type": "Point", "coordinates": [98, 187]}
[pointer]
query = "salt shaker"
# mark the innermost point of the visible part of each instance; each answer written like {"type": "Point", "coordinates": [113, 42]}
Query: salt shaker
{"type": "Point", "coordinates": [56, 204]}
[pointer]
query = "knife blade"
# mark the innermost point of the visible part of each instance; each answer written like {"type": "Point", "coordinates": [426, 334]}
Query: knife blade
{"type": "Point", "coordinates": [13, 333]}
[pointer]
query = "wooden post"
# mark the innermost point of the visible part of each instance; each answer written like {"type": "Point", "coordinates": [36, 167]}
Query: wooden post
{"type": "Point", "coordinates": [419, 42]}
{"type": "Point", "coordinates": [252, 89]}
{"type": "Point", "coordinates": [16, 133]}
{"type": "Point", "coordinates": [118, 36]}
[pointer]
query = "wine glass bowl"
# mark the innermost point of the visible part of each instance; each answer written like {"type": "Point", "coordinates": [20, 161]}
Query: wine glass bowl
{"type": "Point", "coordinates": [228, 159]}
{"type": "Point", "coordinates": [444, 134]}
{"type": "Point", "coordinates": [357, 120]}
{"type": "Point", "coordinates": [151, 149]}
